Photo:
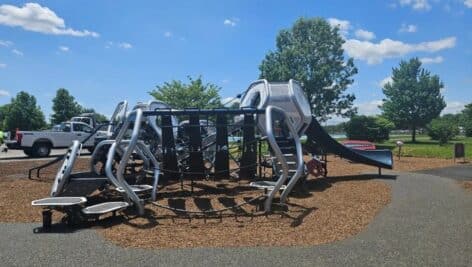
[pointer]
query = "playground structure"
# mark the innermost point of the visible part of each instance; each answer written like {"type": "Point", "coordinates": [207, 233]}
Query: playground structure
{"type": "Point", "coordinates": [147, 149]}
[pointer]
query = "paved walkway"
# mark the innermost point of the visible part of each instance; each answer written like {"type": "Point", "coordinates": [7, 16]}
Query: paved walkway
{"type": "Point", "coordinates": [457, 172]}
{"type": "Point", "coordinates": [428, 223]}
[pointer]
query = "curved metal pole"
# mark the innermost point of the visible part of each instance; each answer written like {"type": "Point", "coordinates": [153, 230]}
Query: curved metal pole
{"type": "Point", "coordinates": [95, 152]}
{"type": "Point", "coordinates": [278, 154]}
{"type": "Point", "coordinates": [122, 107]}
{"type": "Point", "coordinates": [137, 114]}
{"type": "Point", "coordinates": [120, 181]}
{"type": "Point", "coordinates": [300, 162]}
{"type": "Point", "coordinates": [157, 170]}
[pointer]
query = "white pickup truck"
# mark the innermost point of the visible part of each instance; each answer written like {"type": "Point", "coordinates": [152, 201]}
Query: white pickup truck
{"type": "Point", "coordinates": [40, 143]}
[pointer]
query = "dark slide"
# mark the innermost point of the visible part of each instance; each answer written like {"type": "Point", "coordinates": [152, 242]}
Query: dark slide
{"type": "Point", "coordinates": [381, 158]}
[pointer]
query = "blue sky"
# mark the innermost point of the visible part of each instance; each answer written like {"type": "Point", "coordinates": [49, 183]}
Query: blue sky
{"type": "Point", "coordinates": [107, 51]}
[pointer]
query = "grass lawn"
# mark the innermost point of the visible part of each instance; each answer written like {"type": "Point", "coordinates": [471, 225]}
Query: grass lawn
{"type": "Point", "coordinates": [425, 147]}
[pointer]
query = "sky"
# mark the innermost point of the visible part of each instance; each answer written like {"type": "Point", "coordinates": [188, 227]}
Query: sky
{"type": "Point", "coordinates": [110, 50]}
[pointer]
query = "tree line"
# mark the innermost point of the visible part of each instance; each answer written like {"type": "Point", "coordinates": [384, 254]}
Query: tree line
{"type": "Point", "coordinates": [24, 113]}
{"type": "Point", "coordinates": [311, 52]}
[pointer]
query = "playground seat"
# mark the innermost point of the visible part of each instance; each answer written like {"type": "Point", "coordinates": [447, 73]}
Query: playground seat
{"type": "Point", "coordinates": [105, 207]}
{"type": "Point", "coordinates": [59, 201]}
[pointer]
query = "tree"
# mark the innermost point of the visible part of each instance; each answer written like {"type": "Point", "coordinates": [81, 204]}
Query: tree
{"type": "Point", "coordinates": [24, 113]}
{"type": "Point", "coordinates": [311, 52]}
{"type": "Point", "coordinates": [99, 118]}
{"type": "Point", "coordinates": [194, 94]}
{"type": "Point", "coordinates": [413, 98]}
{"type": "Point", "coordinates": [374, 129]}
{"type": "Point", "coordinates": [64, 107]}
{"type": "Point", "coordinates": [443, 129]}
{"type": "Point", "coordinates": [3, 113]}
{"type": "Point", "coordinates": [466, 120]}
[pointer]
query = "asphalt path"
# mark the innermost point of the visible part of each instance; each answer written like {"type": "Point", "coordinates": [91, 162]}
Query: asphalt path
{"type": "Point", "coordinates": [428, 223]}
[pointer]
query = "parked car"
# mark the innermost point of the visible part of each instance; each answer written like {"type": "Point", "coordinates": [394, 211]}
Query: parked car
{"type": "Point", "coordinates": [359, 144]}
{"type": "Point", "coordinates": [40, 143]}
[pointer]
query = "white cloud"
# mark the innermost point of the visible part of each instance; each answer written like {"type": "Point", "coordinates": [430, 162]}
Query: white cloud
{"type": "Point", "coordinates": [408, 28]}
{"type": "Point", "coordinates": [468, 3]}
{"type": "Point", "coordinates": [231, 22]}
{"type": "Point", "coordinates": [3, 65]}
{"type": "Point", "coordinates": [369, 108]}
{"type": "Point", "coordinates": [453, 107]}
{"type": "Point", "coordinates": [5, 43]}
{"type": "Point", "coordinates": [4, 93]}
{"type": "Point", "coordinates": [125, 45]}
{"type": "Point", "coordinates": [343, 25]}
{"type": "Point", "coordinates": [64, 48]}
{"type": "Point", "coordinates": [416, 4]}
{"type": "Point", "coordinates": [375, 53]}
{"type": "Point", "coordinates": [432, 60]}
{"type": "Point", "coordinates": [386, 80]}
{"type": "Point", "coordinates": [168, 34]}
{"type": "Point", "coordinates": [17, 52]}
{"type": "Point", "coordinates": [365, 35]}
{"type": "Point", "coordinates": [36, 18]}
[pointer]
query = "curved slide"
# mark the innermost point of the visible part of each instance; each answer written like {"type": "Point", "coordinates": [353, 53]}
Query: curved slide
{"type": "Point", "coordinates": [381, 158]}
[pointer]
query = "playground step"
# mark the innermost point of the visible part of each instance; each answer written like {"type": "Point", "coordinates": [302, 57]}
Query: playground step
{"type": "Point", "coordinates": [136, 188]}
{"type": "Point", "coordinates": [59, 201]}
{"type": "Point", "coordinates": [105, 207]}
{"type": "Point", "coordinates": [269, 185]}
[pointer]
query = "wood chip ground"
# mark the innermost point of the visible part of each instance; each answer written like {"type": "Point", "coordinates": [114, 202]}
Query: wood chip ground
{"type": "Point", "coordinates": [331, 209]}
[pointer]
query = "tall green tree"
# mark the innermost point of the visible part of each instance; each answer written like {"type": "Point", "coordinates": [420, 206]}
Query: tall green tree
{"type": "Point", "coordinates": [24, 113]}
{"type": "Point", "coordinates": [466, 119]}
{"type": "Point", "coordinates": [413, 98]}
{"type": "Point", "coordinates": [3, 113]}
{"type": "Point", "coordinates": [194, 94]}
{"type": "Point", "coordinates": [64, 107]}
{"type": "Point", "coordinates": [311, 52]}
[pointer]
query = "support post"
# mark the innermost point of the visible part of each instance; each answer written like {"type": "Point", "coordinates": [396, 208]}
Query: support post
{"type": "Point", "coordinates": [171, 171]}
{"type": "Point", "coordinates": [222, 152]}
{"type": "Point", "coordinates": [249, 153]}
{"type": "Point", "coordinates": [196, 154]}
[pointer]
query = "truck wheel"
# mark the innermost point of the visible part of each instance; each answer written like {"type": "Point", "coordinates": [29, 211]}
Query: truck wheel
{"type": "Point", "coordinates": [28, 152]}
{"type": "Point", "coordinates": [41, 150]}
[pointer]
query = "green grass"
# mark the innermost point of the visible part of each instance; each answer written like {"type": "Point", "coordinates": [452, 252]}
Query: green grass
{"type": "Point", "coordinates": [427, 148]}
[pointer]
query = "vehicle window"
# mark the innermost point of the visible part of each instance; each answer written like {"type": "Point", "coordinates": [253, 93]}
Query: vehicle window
{"type": "Point", "coordinates": [66, 127]}
{"type": "Point", "coordinates": [78, 127]}
{"type": "Point", "coordinates": [87, 129]}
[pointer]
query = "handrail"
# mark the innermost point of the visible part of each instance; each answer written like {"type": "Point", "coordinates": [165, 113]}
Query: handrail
{"type": "Point", "coordinates": [278, 154]}
{"type": "Point", "coordinates": [148, 154]}
{"type": "Point", "coordinates": [300, 170]}
{"type": "Point", "coordinates": [281, 158]}
{"type": "Point", "coordinates": [122, 107]}
{"type": "Point", "coordinates": [137, 114]}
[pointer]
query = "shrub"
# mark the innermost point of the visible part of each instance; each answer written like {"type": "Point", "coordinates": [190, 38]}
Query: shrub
{"type": "Point", "coordinates": [373, 129]}
{"type": "Point", "coordinates": [443, 130]}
